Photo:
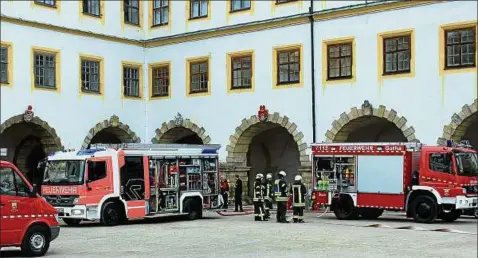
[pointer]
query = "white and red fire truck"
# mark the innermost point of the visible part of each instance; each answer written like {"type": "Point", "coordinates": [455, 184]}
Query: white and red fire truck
{"type": "Point", "coordinates": [364, 179]}
{"type": "Point", "coordinates": [112, 183]}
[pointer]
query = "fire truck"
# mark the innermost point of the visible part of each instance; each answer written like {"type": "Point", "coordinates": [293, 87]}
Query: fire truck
{"type": "Point", "coordinates": [113, 183]}
{"type": "Point", "coordinates": [364, 179]}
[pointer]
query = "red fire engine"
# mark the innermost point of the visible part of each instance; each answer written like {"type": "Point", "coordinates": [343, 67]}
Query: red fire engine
{"type": "Point", "coordinates": [364, 179]}
{"type": "Point", "coordinates": [132, 181]}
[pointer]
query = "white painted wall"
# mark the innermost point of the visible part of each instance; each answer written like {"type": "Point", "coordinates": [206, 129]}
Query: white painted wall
{"type": "Point", "coordinates": [428, 100]}
{"type": "Point", "coordinates": [221, 112]}
{"type": "Point", "coordinates": [69, 114]}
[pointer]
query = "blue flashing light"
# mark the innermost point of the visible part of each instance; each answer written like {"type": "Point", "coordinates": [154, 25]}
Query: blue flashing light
{"type": "Point", "coordinates": [449, 143]}
{"type": "Point", "coordinates": [89, 151]}
{"type": "Point", "coordinates": [209, 151]}
{"type": "Point", "coordinates": [52, 154]}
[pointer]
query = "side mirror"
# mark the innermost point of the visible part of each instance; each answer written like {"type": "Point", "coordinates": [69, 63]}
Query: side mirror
{"type": "Point", "coordinates": [33, 192]}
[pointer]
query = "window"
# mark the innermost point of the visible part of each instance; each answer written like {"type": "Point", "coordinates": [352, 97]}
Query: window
{"type": "Point", "coordinates": [460, 48]}
{"type": "Point", "coordinates": [339, 59]}
{"type": "Point", "coordinates": [241, 71]}
{"type": "Point", "coordinates": [45, 70]}
{"type": "Point", "coordinates": [96, 170]}
{"type": "Point", "coordinates": [4, 65]}
{"type": "Point", "coordinates": [239, 5]}
{"type": "Point", "coordinates": [92, 7]}
{"type": "Point", "coordinates": [12, 184]}
{"type": "Point", "coordinates": [90, 76]}
{"type": "Point", "coordinates": [160, 12]}
{"type": "Point", "coordinates": [441, 162]}
{"type": "Point", "coordinates": [396, 55]}
{"type": "Point", "coordinates": [199, 77]}
{"type": "Point", "coordinates": [131, 81]}
{"type": "Point", "coordinates": [284, 1]}
{"type": "Point", "coordinates": [198, 9]}
{"type": "Point", "coordinates": [50, 3]}
{"type": "Point", "coordinates": [160, 87]}
{"type": "Point", "coordinates": [131, 11]}
{"type": "Point", "coordinates": [288, 66]}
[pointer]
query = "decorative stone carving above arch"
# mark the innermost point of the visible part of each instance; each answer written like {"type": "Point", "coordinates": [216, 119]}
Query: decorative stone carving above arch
{"type": "Point", "coordinates": [347, 122]}
{"type": "Point", "coordinates": [119, 129]}
{"type": "Point", "coordinates": [164, 135]}
{"type": "Point", "coordinates": [456, 129]}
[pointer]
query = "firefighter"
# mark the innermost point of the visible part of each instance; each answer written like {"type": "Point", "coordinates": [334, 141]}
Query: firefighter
{"type": "Point", "coordinates": [225, 192]}
{"type": "Point", "coordinates": [280, 194]}
{"type": "Point", "coordinates": [298, 199]}
{"type": "Point", "coordinates": [259, 199]}
{"type": "Point", "coordinates": [268, 195]}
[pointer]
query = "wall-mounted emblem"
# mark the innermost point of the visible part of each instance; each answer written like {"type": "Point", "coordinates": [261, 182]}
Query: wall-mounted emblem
{"type": "Point", "coordinates": [446, 192]}
{"type": "Point", "coordinates": [178, 120]}
{"type": "Point", "coordinates": [28, 115]}
{"type": "Point", "coordinates": [263, 113]}
{"type": "Point", "coordinates": [114, 120]}
{"type": "Point", "coordinates": [367, 108]}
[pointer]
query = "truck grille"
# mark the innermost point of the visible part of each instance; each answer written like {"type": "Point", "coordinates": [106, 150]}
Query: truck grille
{"type": "Point", "coordinates": [471, 189]}
{"type": "Point", "coordinates": [61, 200]}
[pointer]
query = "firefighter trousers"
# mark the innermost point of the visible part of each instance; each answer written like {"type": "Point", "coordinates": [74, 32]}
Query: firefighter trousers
{"type": "Point", "coordinates": [298, 214]}
{"type": "Point", "coordinates": [281, 211]}
{"type": "Point", "coordinates": [259, 211]}
{"type": "Point", "coordinates": [268, 207]}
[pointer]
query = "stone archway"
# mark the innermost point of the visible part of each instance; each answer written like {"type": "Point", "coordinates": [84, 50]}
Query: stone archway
{"type": "Point", "coordinates": [463, 126]}
{"type": "Point", "coordinates": [28, 139]}
{"type": "Point", "coordinates": [258, 127]}
{"type": "Point", "coordinates": [110, 131]}
{"type": "Point", "coordinates": [179, 130]}
{"type": "Point", "coordinates": [388, 126]}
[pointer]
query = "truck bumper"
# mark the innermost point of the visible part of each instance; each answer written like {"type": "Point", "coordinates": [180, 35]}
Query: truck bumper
{"type": "Point", "coordinates": [463, 202]}
{"type": "Point", "coordinates": [54, 232]}
{"type": "Point", "coordinates": [75, 212]}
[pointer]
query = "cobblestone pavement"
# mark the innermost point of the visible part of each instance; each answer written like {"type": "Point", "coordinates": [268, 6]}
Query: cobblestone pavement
{"type": "Point", "coordinates": [240, 236]}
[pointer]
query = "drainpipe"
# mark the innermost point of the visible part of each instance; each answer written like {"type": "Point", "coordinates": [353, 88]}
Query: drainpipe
{"type": "Point", "coordinates": [312, 54]}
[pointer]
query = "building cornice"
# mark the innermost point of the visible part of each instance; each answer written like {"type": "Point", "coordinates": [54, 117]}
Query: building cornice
{"type": "Point", "coordinates": [303, 18]}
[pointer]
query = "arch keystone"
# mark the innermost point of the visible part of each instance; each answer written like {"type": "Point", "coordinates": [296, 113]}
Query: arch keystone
{"type": "Point", "coordinates": [179, 122]}
{"type": "Point", "coordinates": [113, 122]}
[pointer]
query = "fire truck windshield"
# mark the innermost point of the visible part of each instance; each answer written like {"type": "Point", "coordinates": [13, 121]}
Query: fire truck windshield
{"type": "Point", "coordinates": [64, 172]}
{"type": "Point", "coordinates": [467, 163]}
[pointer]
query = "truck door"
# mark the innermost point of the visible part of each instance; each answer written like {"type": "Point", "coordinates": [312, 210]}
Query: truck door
{"type": "Point", "coordinates": [99, 179]}
{"type": "Point", "coordinates": [16, 206]}
{"type": "Point", "coordinates": [135, 185]}
{"type": "Point", "coordinates": [440, 166]}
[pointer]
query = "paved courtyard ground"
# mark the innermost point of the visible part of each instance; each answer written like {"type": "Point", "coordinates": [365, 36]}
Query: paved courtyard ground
{"type": "Point", "coordinates": [240, 236]}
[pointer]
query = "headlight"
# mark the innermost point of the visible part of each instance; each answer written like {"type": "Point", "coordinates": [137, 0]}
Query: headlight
{"type": "Point", "coordinates": [76, 200]}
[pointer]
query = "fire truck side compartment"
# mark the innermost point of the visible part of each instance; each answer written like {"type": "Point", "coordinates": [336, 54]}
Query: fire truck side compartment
{"type": "Point", "coordinates": [380, 174]}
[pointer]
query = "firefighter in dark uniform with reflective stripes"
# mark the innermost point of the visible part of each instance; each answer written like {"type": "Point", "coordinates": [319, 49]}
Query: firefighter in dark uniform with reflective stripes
{"type": "Point", "coordinates": [280, 194]}
{"type": "Point", "coordinates": [259, 199]}
{"type": "Point", "coordinates": [269, 194]}
{"type": "Point", "coordinates": [298, 199]}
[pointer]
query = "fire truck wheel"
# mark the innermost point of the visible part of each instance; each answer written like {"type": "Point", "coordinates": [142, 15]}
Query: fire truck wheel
{"type": "Point", "coordinates": [72, 222]}
{"type": "Point", "coordinates": [111, 215]}
{"type": "Point", "coordinates": [370, 213]}
{"type": "Point", "coordinates": [36, 241]}
{"type": "Point", "coordinates": [345, 209]}
{"type": "Point", "coordinates": [424, 209]}
{"type": "Point", "coordinates": [193, 209]}
{"type": "Point", "coordinates": [450, 216]}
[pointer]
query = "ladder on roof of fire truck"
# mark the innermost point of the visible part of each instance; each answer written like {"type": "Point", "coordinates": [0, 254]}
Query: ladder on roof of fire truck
{"type": "Point", "coordinates": [408, 145]}
{"type": "Point", "coordinates": [155, 146]}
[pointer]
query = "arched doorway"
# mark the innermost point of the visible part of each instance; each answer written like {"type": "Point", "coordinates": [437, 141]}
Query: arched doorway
{"type": "Point", "coordinates": [181, 130]}
{"type": "Point", "coordinates": [463, 126]}
{"type": "Point", "coordinates": [110, 131]}
{"type": "Point", "coordinates": [367, 124]}
{"type": "Point", "coordinates": [267, 146]}
{"type": "Point", "coordinates": [28, 139]}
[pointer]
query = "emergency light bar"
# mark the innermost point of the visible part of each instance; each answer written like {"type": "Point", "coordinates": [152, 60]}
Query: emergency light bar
{"type": "Point", "coordinates": [3, 152]}
{"type": "Point", "coordinates": [207, 148]}
{"type": "Point", "coordinates": [463, 144]}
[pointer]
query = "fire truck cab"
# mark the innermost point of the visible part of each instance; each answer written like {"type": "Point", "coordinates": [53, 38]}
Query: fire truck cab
{"type": "Point", "coordinates": [113, 183]}
{"type": "Point", "coordinates": [364, 179]}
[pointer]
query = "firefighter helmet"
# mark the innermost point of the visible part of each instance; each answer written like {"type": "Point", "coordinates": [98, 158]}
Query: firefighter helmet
{"type": "Point", "coordinates": [259, 176]}
{"type": "Point", "coordinates": [298, 178]}
{"type": "Point", "coordinates": [269, 176]}
{"type": "Point", "coordinates": [282, 173]}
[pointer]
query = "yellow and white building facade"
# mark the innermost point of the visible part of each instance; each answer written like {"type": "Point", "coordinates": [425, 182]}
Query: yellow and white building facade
{"type": "Point", "coordinates": [262, 78]}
